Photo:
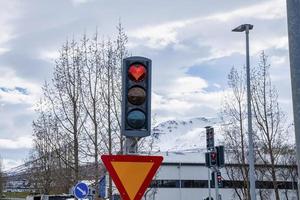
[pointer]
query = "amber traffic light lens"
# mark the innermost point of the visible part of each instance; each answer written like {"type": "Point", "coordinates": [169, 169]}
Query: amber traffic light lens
{"type": "Point", "coordinates": [136, 95]}
{"type": "Point", "coordinates": [136, 119]}
{"type": "Point", "coordinates": [137, 72]}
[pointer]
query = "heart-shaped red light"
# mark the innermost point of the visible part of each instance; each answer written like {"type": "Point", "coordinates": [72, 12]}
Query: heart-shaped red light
{"type": "Point", "coordinates": [137, 72]}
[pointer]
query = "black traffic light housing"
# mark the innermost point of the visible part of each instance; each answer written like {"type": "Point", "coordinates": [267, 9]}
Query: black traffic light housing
{"type": "Point", "coordinates": [210, 144]}
{"type": "Point", "coordinates": [219, 179]}
{"type": "Point", "coordinates": [211, 159]}
{"type": "Point", "coordinates": [136, 97]}
{"type": "Point", "coordinates": [220, 156]}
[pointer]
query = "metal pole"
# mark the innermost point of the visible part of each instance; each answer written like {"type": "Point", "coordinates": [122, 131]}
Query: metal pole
{"type": "Point", "coordinates": [216, 184]}
{"type": "Point", "coordinates": [293, 14]}
{"type": "Point", "coordinates": [180, 186]}
{"type": "Point", "coordinates": [131, 145]}
{"type": "Point", "coordinates": [209, 186]}
{"type": "Point", "coordinates": [250, 133]}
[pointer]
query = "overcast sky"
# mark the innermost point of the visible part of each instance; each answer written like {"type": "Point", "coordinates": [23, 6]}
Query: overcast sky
{"type": "Point", "coordinates": [190, 43]}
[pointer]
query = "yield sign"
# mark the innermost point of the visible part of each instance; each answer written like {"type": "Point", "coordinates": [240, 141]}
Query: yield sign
{"type": "Point", "coordinates": [131, 174]}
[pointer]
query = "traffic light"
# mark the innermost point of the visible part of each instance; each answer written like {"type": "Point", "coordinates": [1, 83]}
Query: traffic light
{"type": "Point", "coordinates": [219, 179]}
{"type": "Point", "coordinates": [220, 156]}
{"type": "Point", "coordinates": [213, 158]}
{"type": "Point", "coordinates": [210, 143]}
{"type": "Point", "coordinates": [136, 102]}
{"type": "Point", "coordinates": [210, 159]}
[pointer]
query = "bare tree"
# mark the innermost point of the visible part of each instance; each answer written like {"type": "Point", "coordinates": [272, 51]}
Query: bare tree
{"type": "Point", "coordinates": [64, 98]}
{"type": "Point", "coordinates": [234, 114]}
{"type": "Point", "coordinates": [268, 118]}
{"type": "Point", "coordinates": [289, 172]}
{"type": "Point", "coordinates": [92, 101]}
{"type": "Point", "coordinates": [101, 95]}
{"type": "Point", "coordinates": [47, 166]}
{"type": "Point", "coordinates": [269, 128]}
{"type": "Point", "coordinates": [41, 173]}
{"type": "Point", "coordinates": [84, 100]}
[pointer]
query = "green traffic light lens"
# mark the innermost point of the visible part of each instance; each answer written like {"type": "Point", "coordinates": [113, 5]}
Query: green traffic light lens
{"type": "Point", "coordinates": [136, 119]}
{"type": "Point", "coordinates": [136, 95]}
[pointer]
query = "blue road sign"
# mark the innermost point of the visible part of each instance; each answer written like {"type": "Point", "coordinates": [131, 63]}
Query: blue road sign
{"type": "Point", "coordinates": [102, 187]}
{"type": "Point", "coordinates": [81, 190]}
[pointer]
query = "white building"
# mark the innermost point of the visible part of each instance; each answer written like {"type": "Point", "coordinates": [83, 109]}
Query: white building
{"type": "Point", "coordinates": [184, 176]}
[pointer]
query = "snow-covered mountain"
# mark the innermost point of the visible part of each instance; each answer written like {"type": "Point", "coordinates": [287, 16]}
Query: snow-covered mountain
{"type": "Point", "coordinates": [182, 135]}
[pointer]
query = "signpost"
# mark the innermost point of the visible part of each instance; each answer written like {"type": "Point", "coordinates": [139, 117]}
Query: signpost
{"type": "Point", "coordinates": [132, 174]}
{"type": "Point", "coordinates": [81, 190]}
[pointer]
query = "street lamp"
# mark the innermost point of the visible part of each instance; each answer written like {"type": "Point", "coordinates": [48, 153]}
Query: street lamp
{"type": "Point", "coordinates": [247, 28]}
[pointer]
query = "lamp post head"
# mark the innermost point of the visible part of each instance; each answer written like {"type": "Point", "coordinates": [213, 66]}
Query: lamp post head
{"type": "Point", "coordinates": [243, 28]}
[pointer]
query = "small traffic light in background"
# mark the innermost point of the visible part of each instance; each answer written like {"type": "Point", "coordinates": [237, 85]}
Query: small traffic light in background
{"type": "Point", "coordinates": [210, 143]}
{"type": "Point", "coordinates": [213, 158]}
{"type": "Point", "coordinates": [219, 179]}
{"type": "Point", "coordinates": [220, 156]}
{"type": "Point", "coordinates": [136, 102]}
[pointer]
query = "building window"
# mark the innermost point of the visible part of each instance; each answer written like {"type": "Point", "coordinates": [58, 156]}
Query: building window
{"type": "Point", "coordinates": [165, 184]}
{"type": "Point", "coordinates": [194, 184]}
{"type": "Point", "coordinates": [226, 184]}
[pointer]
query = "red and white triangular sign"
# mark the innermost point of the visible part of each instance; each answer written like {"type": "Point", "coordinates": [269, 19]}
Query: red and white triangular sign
{"type": "Point", "coordinates": [131, 174]}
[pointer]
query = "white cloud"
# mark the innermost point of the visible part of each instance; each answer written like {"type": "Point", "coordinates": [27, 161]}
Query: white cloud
{"type": "Point", "coordinates": [186, 97]}
{"type": "Point", "coordinates": [18, 143]}
{"type": "Point", "coordinates": [11, 163]}
{"type": "Point", "coordinates": [159, 36]}
{"type": "Point", "coordinates": [10, 81]}
{"type": "Point", "coordinates": [9, 12]}
{"type": "Point", "coordinates": [274, 41]}
{"type": "Point", "coordinates": [187, 84]}
{"type": "Point", "coordinates": [272, 9]}
{"type": "Point", "coordinates": [277, 61]}
{"type": "Point", "coordinates": [3, 50]}
{"type": "Point", "coordinates": [49, 55]}
{"type": "Point", "coordinates": [78, 2]}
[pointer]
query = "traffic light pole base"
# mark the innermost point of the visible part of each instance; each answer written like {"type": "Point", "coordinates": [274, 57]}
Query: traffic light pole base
{"type": "Point", "coordinates": [131, 145]}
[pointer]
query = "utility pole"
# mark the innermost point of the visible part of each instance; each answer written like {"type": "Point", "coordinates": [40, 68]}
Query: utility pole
{"type": "Point", "coordinates": [210, 145]}
{"type": "Point", "coordinates": [247, 28]}
{"type": "Point", "coordinates": [293, 15]}
{"type": "Point", "coordinates": [209, 186]}
{"type": "Point", "coordinates": [250, 131]}
{"type": "Point", "coordinates": [131, 145]}
{"type": "Point", "coordinates": [216, 183]}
